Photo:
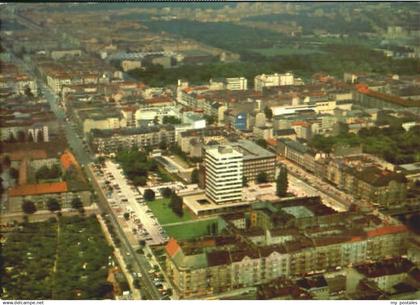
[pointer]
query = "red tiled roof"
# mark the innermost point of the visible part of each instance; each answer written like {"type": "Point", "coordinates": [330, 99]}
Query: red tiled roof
{"type": "Point", "coordinates": [355, 238]}
{"type": "Point", "coordinates": [67, 159]}
{"type": "Point", "coordinates": [172, 247]}
{"type": "Point", "coordinates": [271, 141]}
{"type": "Point", "coordinates": [38, 189]}
{"type": "Point", "coordinates": [387, 230]}
{"type": "Point", "coordinates": [201, 88]}
{"type": "Point", "coordinates": [300, 123]}
{"type": "Point", "coordinates": [160, 99]}
{"type": "Point", "coordinates": [364, 89]}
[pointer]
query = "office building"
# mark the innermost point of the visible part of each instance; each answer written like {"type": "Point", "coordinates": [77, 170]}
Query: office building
{"type": "Point", "coordinates": [224, 171]}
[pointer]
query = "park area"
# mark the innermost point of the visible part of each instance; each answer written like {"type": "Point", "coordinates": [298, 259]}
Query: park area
{"type": "Point", "coordinates": [193, 229]}
{"type": "Point", "coordinates": [164, 213]}
{"type": "Point", "coordinates": [56, 259]}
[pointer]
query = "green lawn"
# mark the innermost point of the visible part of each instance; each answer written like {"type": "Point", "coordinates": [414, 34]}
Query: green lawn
{"type": "Point", "coordinates": [164, 214]}
{"type": "Point", "coordinates": [190, 230]}
{"type": "Point", "coordinates": [164, 175]}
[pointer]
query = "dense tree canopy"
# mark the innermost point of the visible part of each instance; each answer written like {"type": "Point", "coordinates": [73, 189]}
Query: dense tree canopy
{"type": "Point", "coordinates": [70, 263]}
{"type": "Point", "coordinates": [394, 144]}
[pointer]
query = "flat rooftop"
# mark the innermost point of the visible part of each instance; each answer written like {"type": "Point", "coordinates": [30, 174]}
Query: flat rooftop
{"type": "Point", "coordinates": [199, 204]}
{"type": "Point", "coordinates": [222, 151]}
{"type": "Point", "coordinates": [251, 150]}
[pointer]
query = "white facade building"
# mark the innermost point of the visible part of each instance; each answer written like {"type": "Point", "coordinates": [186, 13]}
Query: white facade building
{"type": "Point", "coordinates": [236, 83]}
{"type": "Point", "coordinates": [273, 80]}
{"type": "Point", "coordinates": [224, 171]}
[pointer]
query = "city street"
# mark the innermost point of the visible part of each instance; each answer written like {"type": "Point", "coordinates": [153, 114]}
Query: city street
{"type": "Point", "coordinates": [301, 188]}
{"type": "Point", "coordinates": [307, 183]}
{"type": "Point", "coordinates": [138, 261]}
{"type": "Point", "coordinates": [148, 288]}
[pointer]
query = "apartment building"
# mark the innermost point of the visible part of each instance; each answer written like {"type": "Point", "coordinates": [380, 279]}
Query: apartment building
{"type": "Point", "coordinates": [304, 237]}
{"type": "Point", "coordinates": [367, 180]}
{"type": "Point", "coordinates": [272, 80]}
{"type": "Point", "coordinates": [40, 193]}
{"type": "Point", "coordinates": [297, 152]}
{"type": "Point", "coordinates": [102, 119]}
{"type": "Point", "coordinates": [108, 141]}
{"type": "Point", "coordinates": [25, 118]}
{"type": "Point", "coordinates": [224, 172]}
{"type": "Point", "coordinates": [236, 83]}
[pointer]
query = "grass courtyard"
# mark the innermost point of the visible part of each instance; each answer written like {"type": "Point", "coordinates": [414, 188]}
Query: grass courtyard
{"type": "Point", "coordinates": [164, 214]}
{"type": "Point", "coordinates": [190, 230]}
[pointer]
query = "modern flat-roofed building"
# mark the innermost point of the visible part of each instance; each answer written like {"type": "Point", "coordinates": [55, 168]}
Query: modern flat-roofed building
{"type": "Point", "coordinates": [224, 171]}
{"type": "Point", "coordinates": [256, 160]}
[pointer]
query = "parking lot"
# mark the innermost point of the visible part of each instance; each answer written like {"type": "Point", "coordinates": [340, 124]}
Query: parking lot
{"type": "Point", "coordinates": [124, 198]}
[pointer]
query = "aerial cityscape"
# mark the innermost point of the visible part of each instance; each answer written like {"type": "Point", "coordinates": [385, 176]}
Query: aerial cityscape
{"type": "Point", "coordinates": [210, 151]}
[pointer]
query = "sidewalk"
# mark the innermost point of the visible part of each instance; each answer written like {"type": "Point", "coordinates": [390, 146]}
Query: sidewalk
{"type": "Point", "coordinates": [117, 253]}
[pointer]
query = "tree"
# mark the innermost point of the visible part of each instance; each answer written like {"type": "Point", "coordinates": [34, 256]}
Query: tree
{"type": "Point", "coordinates": [53, 205]}
{"type": "Point", "coordinates": [6, 162]}
{"type": "Point", "coordinates": [342, 128]}
{"type": "Point", "coordinates": [262, 177]}
{"type": "Point", "coordinates": [244, 181]}
{"type": "Point", "coordinates": [153, 166]}
{"type": "Point", "coordinates": [209, 119]}
{"type": "Point", "coordinates": [28, 92]}
{"type": "Point", "coordinates": [55, 171]}
{"type": "Point", "coordinates": [262, 143]}
{"type": "Point", "coordinates": [149, 195]}
{"type": "Point", "coordinates": [163, 145]}
{"type": "Point", "coordinates": [101, 160]}
{"type": "Point", "coordinates": [30, 137]}
{"type": "Point", "coordinates": [21, 136]}
{"type": "Point", "coordinates": [126, 216]}
{"type": "Point", "coordinates": [136, 283]}
{"type": "Point", "coordinates": [11, 138]}
{"type": "Point", "coordinates": [40, 136]}
{"type": "Point", "coordinates": [28, 207]}
{"type": "Point", "coordinates": [166, 192]}
{"type": "Point", "coordinates": [282, 182]}
{"type": "Point", "coordinates": [140, 181]}
{"type": "Point", "coordinates": [176, 204]}
{"type": "Point", "coordinates": [156, 120]}
{"type": "Point", "coordinates": [194, 176]}
{"type": "Point", "coordinates": [76, 203]}
{"type": "Point", "coordinates": [171, 120]}
{"type": "Point", "coordinates": [42, 173]}
{"type": "Point", "coordinates": [268, 113]}
{"type": "Point", "coordinates": [14, 173]}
